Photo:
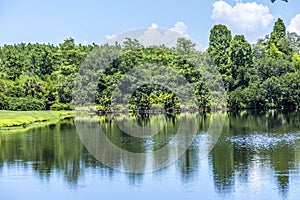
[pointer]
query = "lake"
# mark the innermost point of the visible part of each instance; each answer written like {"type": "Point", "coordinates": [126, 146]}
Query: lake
{"type": "Point", "coordinates": [256, 156]}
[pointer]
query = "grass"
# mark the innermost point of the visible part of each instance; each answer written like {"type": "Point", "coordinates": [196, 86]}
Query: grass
{"type": "Point", "coordinates": [11, 120]}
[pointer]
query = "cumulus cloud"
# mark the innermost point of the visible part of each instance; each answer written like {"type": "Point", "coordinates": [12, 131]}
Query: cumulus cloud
{"type": "Point", "coordinates": [153, 35]}
{"type": "Point", "coordinates": [171, 35]}
{"type": "Point", "coordinates": [242, 17]}
{"type": "Point", "coordinates": [154, 25]}
{"type": "Point", "coordinates": [295, 24]}
{"type": "Point", "coordinates": [180, 27]}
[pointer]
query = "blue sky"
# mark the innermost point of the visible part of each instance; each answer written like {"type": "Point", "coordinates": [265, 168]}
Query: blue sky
{"type": "Point", "coordinates": [92, 21]}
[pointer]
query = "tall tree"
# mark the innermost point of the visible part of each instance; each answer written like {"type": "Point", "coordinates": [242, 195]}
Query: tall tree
{"type": "Point", "coordinates": [241, 61]}
{"type": "Point", "coordinates": [71, 57]}
{"type": "Point", "coordinates": [279, 31]}
{"type": "Point", "coordinates": [219, 43]}
{"type": "Point", "coordinates": [278, 43]}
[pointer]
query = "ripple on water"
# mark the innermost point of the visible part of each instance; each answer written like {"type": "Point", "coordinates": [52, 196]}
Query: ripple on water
{"type": "Point", "coordinates": [264, 140]}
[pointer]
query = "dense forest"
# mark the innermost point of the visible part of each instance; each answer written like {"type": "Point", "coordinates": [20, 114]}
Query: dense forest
{"type": "Point", "coordinates": [262, 75]}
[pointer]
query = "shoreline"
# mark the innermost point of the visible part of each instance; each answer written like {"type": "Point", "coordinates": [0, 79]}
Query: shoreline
{"type": "Point", "coordinates": [177, 111]}
{"type": "Point", "coordinates": [16, 121]}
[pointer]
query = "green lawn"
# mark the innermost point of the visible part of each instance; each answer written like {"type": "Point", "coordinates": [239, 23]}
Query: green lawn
{"type": "Point", "coordinates": [14, 119]}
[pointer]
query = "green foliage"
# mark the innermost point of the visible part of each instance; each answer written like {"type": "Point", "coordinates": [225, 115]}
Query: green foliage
{"type": "Point", "coordinates": [132, 61]}
{"type": "Point", "coordinates": [22, 103]}
{"type": "Point", "coordinates": [43, 76]}
{"type": "Point", "coordinates": [131, 44]}
{"type": "Point", "coordinates": [279, 31]}
{"type": "Point", "coordinates": [241, 62]}
{"type": "Point", "coordinates": [38, 74]}
{"type": "Point", "coordinates": [3, 102]}
{"type": "Point", "coordinates": [269, 66]}
{"type": "Point", "coordinates": [278, 44]}
{"type": "Point", "coordinates": [219, 43]}
{"type": "Point", "coordinates": [61, 106]}
{"type": "Point", "coordinates": [250, 97]}
{"type": "Point", "coordinates": [283, 91]}
{"type": "Point", "coordinates": [262, 76]}
{"type": "Point", "coordinates": [296, 61]}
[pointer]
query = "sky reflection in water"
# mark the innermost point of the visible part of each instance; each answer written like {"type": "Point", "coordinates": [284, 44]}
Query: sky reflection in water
{"type": "Point", "coordinates": [257, 157]}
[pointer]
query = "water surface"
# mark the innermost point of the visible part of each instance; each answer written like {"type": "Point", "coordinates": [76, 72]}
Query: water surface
{"type": "Point", "coordinates": [256, 157]}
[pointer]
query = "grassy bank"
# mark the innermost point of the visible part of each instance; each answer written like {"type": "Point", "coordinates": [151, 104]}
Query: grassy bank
{"type": "Point", "coordinates": [18, 120]}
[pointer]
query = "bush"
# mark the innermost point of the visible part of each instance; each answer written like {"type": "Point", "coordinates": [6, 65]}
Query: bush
{"type": "Point", "coordinates": [3, 102]}
{"type": "Point", "coordinates": [22, 103]}
{"type": "Point", "coordinates": [61, 106]}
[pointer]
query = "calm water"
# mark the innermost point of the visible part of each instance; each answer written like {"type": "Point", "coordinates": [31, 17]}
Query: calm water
{"type": "Point", "coordinates": [256, 157]}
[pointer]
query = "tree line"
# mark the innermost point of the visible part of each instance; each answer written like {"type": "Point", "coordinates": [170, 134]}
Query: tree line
{"type": "Point", "coordinates": [262, 75]}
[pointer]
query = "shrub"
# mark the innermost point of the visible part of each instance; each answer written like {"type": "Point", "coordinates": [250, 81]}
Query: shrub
{"type": "Point", "coordinates": [3, 102]}
{"type": "Point", "coordinates": [61, 106]}
{"type": "Point", "coordinates": [25, 103]}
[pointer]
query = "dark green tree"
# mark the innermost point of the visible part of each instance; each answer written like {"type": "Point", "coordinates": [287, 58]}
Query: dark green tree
{"type": "Point", "coordinates": [269, 66]}
{"type": "Point", "coordinates": [241, 62]}
{"type": "Point", "coordinates": [219, 43]}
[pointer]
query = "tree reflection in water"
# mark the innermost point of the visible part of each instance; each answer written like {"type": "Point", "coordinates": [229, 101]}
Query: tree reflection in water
{"type": "Point", "coordinates": [253, 145]}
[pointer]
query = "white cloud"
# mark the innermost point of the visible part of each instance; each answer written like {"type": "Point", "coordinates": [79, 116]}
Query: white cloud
{"type": "Point", "coordinates": [168, 37]}
{"type": "Point", "coordinates": [154, 25]}
{"type": "Point", "coordinates": [153, 35]}
{"type": "Point", "coordinates": [171, 35]}
{"type": "Point", "coordinates": [180, 27]}
{"type": "Point", "coordinates": [243, 17]}
{"type": "Point", "coordinates": [295, 24]}
{"type": "Point", "coordinates": [111, 37]}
